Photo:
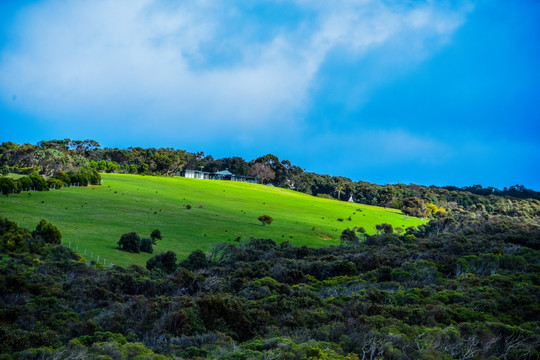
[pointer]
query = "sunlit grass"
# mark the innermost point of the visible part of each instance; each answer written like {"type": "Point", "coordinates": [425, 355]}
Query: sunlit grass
{"type": "Point", "coordinates": [94, 217]}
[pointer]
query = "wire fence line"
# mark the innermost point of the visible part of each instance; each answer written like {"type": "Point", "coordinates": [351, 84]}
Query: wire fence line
{"type": "Point", "coordinates": [85, 253]}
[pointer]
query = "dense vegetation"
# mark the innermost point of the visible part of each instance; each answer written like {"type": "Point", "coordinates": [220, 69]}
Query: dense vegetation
{"type": "Point", "coordinates": [463, 286]}
{"type": "Point", "coordinates": [50, 157]}
{"type": "Point", "coordinates": [36, 182]}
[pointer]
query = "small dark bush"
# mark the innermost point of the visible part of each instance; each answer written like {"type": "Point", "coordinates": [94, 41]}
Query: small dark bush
{"type": "Point", "coordinates": [130, 242]}
{"type": "Point", "coordinates": [164, 261]}
{"type": "Point", "coordinates": [146, 246]}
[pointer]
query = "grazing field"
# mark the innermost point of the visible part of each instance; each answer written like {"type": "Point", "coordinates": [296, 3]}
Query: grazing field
{"type": "Point", "coordinates": [93, 218]}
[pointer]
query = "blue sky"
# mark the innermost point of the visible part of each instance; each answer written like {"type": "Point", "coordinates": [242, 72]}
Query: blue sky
{"type": "Point", "coordinates": [426, 92]}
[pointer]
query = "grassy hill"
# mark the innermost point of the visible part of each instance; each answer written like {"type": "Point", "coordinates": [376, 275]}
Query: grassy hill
{"type": "Point", "coordinates": [93, 218]}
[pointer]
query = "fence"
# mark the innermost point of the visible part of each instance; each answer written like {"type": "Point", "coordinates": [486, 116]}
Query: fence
{"type": "Point", "coordinates": [84, 254]}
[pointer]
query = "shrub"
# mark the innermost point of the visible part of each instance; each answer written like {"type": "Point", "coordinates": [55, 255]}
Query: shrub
{"type": "Point", "coordinates": [62, 176]}
{"type": "Point", "coordinates": [89, 175]}
{"type": "Point", "coordinates": [195, 260]}
{"type": "Point", "coordinates": [262, 244]}
{"type": "Point", "coordinates": [38, 182]}
{"type": "Point", "coordinates": [384, 228]}
{"type": "Point", "coordinates": [415, 206]}
{"type": "Point", "coordinates": [344, 267]}
{"type": "Point", "coordinates": [164, 261]}
{"type": "Point", "coordinates": [348, 237]}
{"type": "Point", "coordinates": [156, 234]}
{"type": "Point", "coordinates": [48, 232]}
{"type": "Point", "coordinates": [25, 183]}
{"type": "Point", "coordinates": [130, 242]}
{"type": "Point", "coordinates": [55, 183]}
{"type": "Point", "coordinates": [146, 246]}
{"type": "Point", "coordinates": [7, 186]}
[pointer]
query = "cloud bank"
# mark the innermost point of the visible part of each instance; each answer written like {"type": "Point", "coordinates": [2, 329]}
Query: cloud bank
{"type": "Point", "coordinates": [191, 66]}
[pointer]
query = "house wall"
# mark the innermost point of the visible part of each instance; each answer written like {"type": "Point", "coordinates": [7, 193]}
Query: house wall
{"type": "Point", "coordinates": [193, 174]}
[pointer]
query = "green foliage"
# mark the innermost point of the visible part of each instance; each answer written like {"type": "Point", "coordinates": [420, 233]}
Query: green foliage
{"type": "Point", "coordinates": [90, 176]}
{"type": "Point", "coordinates": [54, 183]}
{"type": "Point", "coordinates": [384, 228]}
{"type": "Point", "coordinates": [343, 268]}
{"type": "Point", "coordinates": [348, 237]}
{"type": "Point", "coordinates": [48, 232]}
{"type": "Point", "coordinates": [415, 206]}
{"type": "Point", "coordinates": [196, 260]}
{"type": "Point", "coordinates": [38, 182]}
{"type": "Point", "coordinates": [146, 246]}
{"type": "Point", "coordinates": [13, 238]}
{"type": "Point", "coordinates": [156, 234]}
{"type": "Point", "coordinates": [50, 157]}
{"type": "Point", "coordinates": [7, 185]}
{"type": "Point", "coordinates": [100, 337]}
{"type": "Point", "coordinates": [265, 219]}
{"type": "Point", "coordinates": [260, 300]}
{"type": "Point", "coordinates": [464, 285]}
{"type": "Point", "coordinates": [164, 261]}
{"type": "Point", "coordinates": [130, 242]}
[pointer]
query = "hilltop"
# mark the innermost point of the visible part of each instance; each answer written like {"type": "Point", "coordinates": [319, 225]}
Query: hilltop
{"type": "Point", "coordinates": [76, 161]}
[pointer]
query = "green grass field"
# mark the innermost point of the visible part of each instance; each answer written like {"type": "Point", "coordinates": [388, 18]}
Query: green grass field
{"type": "Point", "coordinates": [93, 218]}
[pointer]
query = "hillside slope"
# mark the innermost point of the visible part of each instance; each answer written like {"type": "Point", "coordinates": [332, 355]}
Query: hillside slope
{"type": "Point", "coordinates": [92, 219]}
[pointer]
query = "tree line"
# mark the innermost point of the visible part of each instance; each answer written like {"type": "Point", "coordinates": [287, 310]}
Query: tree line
{"type": "Point", "coordinates": [35, 182]}
{"type": "Point", "coordinates": [49, 158]}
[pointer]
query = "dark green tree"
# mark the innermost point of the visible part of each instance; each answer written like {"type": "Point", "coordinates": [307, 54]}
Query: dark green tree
{"type": "Point", "coordinates": [130, 242]}
{"type": "Point", "coordinates": [348, 238]}
{"type": "Point", "coordinates": [48, 232]}
{"type": "Point", "coordinates": [25, 183]}
{"type": "Point", "coordinates": [339, 189]}
{"type": "Point", "coordinates": [384, 228]}
{"type": "Point", "coordinates": [265, 219]}
{"type": "Point", "coordinates": [415, 206]}
{"type": "Point", "coordinates": [91, 175]}
{"type": "Point", "coordinates": [146, 246]}
{"type": "Point", "coordinates": [38, 181]}
{"type": "Point", "coordinates": [62, 176]}
{"type": "Point", "coordinates": [156, 234]}
{"type": "Point", "coordinates": [195, 260]}
{"type": "Point", "coordinates": [7, 185]}
{"type": "Point", "coordinates": [164, 261]}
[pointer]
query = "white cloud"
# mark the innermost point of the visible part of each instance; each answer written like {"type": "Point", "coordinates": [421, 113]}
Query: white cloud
{"type": "Point", "coordinates": [196, 64]}
{"type": "Point", "coordinates": [375, 147]}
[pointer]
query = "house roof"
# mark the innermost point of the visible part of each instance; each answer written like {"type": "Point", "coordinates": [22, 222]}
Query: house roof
{"type": "Point", "coordinates": [224, 172]}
